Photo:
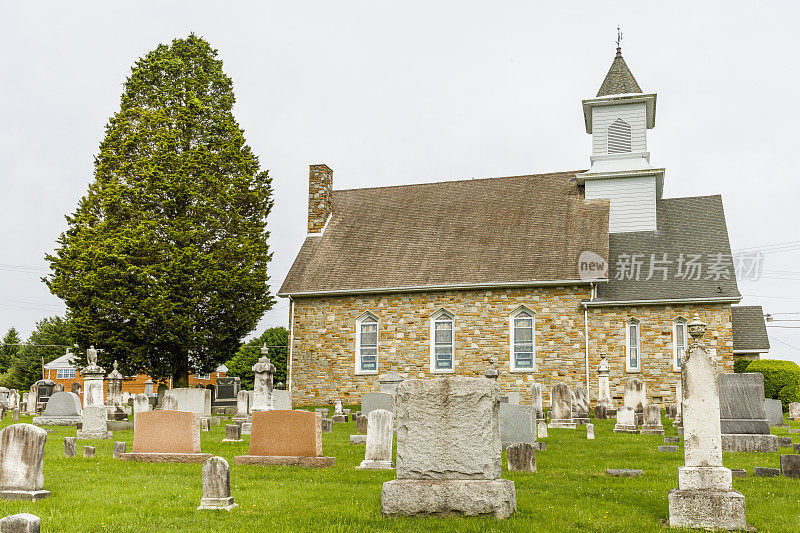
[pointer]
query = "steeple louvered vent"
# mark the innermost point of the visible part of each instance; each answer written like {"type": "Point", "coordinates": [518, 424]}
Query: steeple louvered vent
{"type": "Point", "coordinates": [619, 137]}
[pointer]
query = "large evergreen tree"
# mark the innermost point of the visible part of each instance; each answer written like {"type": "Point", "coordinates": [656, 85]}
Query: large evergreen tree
{"type": "Point", "coordinates": [9, 349]}
{"type": "Point", "coordinates": [49, 340]}
{"type": "Point", "coordinates": [164, 262]}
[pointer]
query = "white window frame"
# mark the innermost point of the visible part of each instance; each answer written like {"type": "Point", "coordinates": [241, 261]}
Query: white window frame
{"type": "Point", "coordinates": [203, 377]}
{"type": "Point", "coordinates": [65, 373]}
{"type": "Point", "coordinates": [679, 322]}
{"type": "Point", "coordinates": [512, 363]}
{"type": "Point", "coordinates": [357, 356]}
{"type": "Point", "coordinates": [441, 316]}
{"type": "Point", "coordinates": [628, 323]}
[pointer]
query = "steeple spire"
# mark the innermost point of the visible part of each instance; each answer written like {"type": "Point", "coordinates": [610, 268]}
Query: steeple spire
{"type": "Point", "coordinates": [619, 79]}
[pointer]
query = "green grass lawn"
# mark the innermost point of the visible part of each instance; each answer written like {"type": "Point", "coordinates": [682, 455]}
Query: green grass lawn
{"type": "Point", "coordinates": [570, 492]}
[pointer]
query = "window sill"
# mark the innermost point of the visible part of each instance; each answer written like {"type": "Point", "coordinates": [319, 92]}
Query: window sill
{"type": "Point", "coordinates": [633, 371]}
{"type": "Point", "coordinates": [366, 372]}
{"type": "Point", "coordinates": [522, 370]}
{"type": "Point", "coordinates": [442, 371]}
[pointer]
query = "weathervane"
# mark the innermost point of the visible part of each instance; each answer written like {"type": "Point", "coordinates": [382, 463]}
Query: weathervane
{"type": "Point", "coordinates": [619, 36]}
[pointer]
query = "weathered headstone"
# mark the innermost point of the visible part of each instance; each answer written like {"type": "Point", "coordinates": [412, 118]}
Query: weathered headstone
{"type": "Point", "coordinates": [763, 471]}
{"type": "Point", "coordinates": [516, 424]}
{"type": "Point", "coordinates": [141, 404]}
{"type": "Point", "coordinates": [227, 391]}
{"type": "Point", "coordinates": [774, 411]}
{"type": "Point", "coordinates": [361, 424]}
{"type": "Point", "coordinates": [76, 388]}
{"type": "Point", "coordinates": [376, 400]}
{"type": "Point", "coordinates": [794, 411]}
{"type": "Point", "coordinates": [561, 407]}
{"type": "Point", "coordinates": [378, 454]}
{"type": "Point", "coordinates": [69, 446]}
{"type": "Point", "coordinates": [590, 431]}
{"type": "Point", "coordinates": [20, 523]}
{"type": "Point", "coordinates": [246, 428]}
{"type": "Point", "coordinates": [148, 387]}
{"type": "Point", "coordinates": [262, 389]}
{"type": "Point", "coordinates": [448, 450]}
{"type": "Point", "coordinates": [635, 396]}
{"type": "Point", "coordinates": [521, 457]}
{"type": "Point", "coordinates": [119, 449]}
{"type": "Point", "coordinates": [286, 438]}
{"type": "Point", "coordinates": [15, 415]}
{"type": "Point", "coordinates": [205, 424]}
{"type": "Point", "coordinates": [242, 407]}
{"type": "Point", "coordinates": [21, 462]}
{"type": "Point", "coordinates": [704, 497]}
{"type": "Point", "coordinates": [216, 485]}
{"type": "Point", "coordinates": [338, 413]}
{"type": "Point", "coordinates": [233, 433]}
{"type": "Point", "coordinates": [669, 448]}
{"type": "Point", "coordinates": [166, 436]}
{"type": "Point", "coordinates": [282, 399]}
{"type": "Point", "coordinates": [626, 420]}
{"type": "Point", "coordinates": [63, 409]}
{"type": "Point", "coordinates": [326, 425]}
{"type": "Point", "coordinates": [93, 376]}
{"type": "Point", "coordinates": [88, 452]}
{"type": "Point", "coordinates": [536, 400]}
{"type": "Point", "coordinates": [743, 418]}
{"type": "Point", "coordinates": [652, 421]}
{"type": "Point", "coordinates": [784, 442]}
{"type": "Point", "coordinates": [580, 405]}
{"type": "Point", "coordinates": [603, 386]}
{"type": "Point", "coordinates": [95, 423]}
{"type": "Point", "coordinates": [114, 381]}
{"type": "Point", "coordinates": [541, 429]}
{"type": "Point", "coordinates": [790, 465]}
{"type": "Point", "coordinates": [189, 399]}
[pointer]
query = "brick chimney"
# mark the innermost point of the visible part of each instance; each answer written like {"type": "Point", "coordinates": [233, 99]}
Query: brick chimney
{"type": "Point", "coordinates": [320, 197]}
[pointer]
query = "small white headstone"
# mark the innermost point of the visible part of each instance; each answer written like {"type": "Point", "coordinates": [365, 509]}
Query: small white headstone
{"type": "Point", "coordinates": [378, 454]}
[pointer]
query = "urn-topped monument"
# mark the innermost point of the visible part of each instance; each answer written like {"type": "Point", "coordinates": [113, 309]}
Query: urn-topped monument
{"type": "Point", "coordinates": [262, 387]}
{"type": "Point", "coordinates": [92, 379]}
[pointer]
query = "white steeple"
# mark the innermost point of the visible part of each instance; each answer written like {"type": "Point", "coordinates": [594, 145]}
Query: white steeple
{"type": "Point", "coordinates": [618, 119]}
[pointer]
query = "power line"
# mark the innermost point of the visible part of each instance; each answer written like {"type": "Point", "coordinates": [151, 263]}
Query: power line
{"type": "Point", "coordinates": [776, 297]}
{"type": "Point", "coordinates": [784, 343]}
{"type": "Point", "coordinates": [783, 327]}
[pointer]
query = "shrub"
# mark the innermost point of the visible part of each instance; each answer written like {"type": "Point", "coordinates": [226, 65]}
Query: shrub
{"type": "Point", "coordinates": [777, 376]}
{"type": "Point", "coordinates": [790, 393]}
{"type": "Point", "coordinates": [740, 365]}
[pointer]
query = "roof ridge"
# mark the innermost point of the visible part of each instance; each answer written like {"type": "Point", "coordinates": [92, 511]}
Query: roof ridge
{"type": "Point", "coordinates": [566, 172]}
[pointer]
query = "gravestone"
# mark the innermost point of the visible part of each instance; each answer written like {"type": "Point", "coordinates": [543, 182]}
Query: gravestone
{"type": "Point", "coordinates": [704, 497]}
{"type": "Point", "coordinates": [626, 420]}
{"type": "Point", "coordinates": [160, 392]}
{"type": "Point", "coordinates": [361, 424]}
{"type": "Point", "coordinates": [635, 396]}
{"type": "Point", "coordinates": [262, 389]}
{"type": "Point", "coordinates": [63, 409]}
{"type": "Point", "coordinates": [378, 454]}
{"type": "Point", "coordinates": [69, 446]}
{"type": "Point", "coordinates": [743, 418]}
{"type": "Point", "coordinates": [580, 405]}
{"type": "Point", "coordinates": [169, 403]}
{"type": "Point", "coordinates": [227, 391]}
{"type": "Point", "coordinates": [516, 424]}
{"type": "Point", "coordinates": [20, 523]}
{"type": "Point", "coordinates": [119, 449]}
{"type": "Point", "coordinates": [338, 412]}
{"type": "Point", "coordinates": [190, 399]}
{"type": "Point", "coordinates": [794, 411]}
{"type": "Point", "coordinates": [148, 387]}
{"type": "Point", "coordinates": [21, 462]}
{"type": "Point", "coordinates": [15, 415]}
{"type": "Point", "coordinates": [679, 403]}
{"type": "Point", "coordinates": [88, 452]}
{"type": "Point", "coordinates": [389, 382]}
{"type": "Point", "coordinates": [76, 388]}
{"type": "Point", "coordinates": [114, 392]}
{"type": "Point", "coordinates": [141, 404]}
{"type": "Point", "coordinates": [521, 457]}
{"type": "Point", "coordinates": [95, 423]}
{"type": "Point", "coordinates": [282, 399]}
{"type": "Point", "coordinates": [233, 433]}
{"type": "Point", "coordinates": [541, 429]}
{"type": "Point", "coordinates": [286, 438]}
{"type": "Point", "coordinates": [376, 400]}
{"type": "Point", "coordinates": [590, 431]}
{"type": "Point", "coordinates": [536, 400]}
{"type": "Point", "coordinates": [242, 407]}
{"type": "Point", "coordinates": [652, 421]}
{"type": "Point", "coordinates": [166, 436]}
{"type": "Point", "coordinates": [216, 485]}
{"type": "Point", "coordinates": [93, 376]}
{"type": "Point", "coordinates": [790, 465]}
{"type": "Point", "coordinates": [326, 425]}
{"type": "Point", "coordinates": [603, 386]}
{"type": "Point", "coordinates": [561, 407]}
{"type": "Point", "coordinates": [774, 411]}
{"type": "Point", "coordinates": [448, 450]}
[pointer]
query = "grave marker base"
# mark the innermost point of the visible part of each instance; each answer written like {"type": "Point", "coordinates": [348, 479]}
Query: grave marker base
{"type": "Point", "coordinates": [700, 508]}
{"type": "Point", "coordinates": [224, 504]}
{"type": "Point", "coordinates": [369, 464]}
{"type": "Point", "coordinates": [30, 495]}
{"type": "Point", "coordinates": [165, 457]}
{"type": "Point", "coordinates": [563, 424]}
{"type": "Point", "coordinates": [89, 435]}
{"type": "Point", "coordinates": [283, 460]}
{"type": "Point", "coordinates": [408, 497]}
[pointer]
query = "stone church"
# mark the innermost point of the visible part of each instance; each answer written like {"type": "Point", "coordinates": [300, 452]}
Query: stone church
{"type": "Point", "coordinates": [537, 275]}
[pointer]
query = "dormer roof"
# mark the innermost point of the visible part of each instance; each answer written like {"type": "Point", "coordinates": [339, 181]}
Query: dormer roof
{"type": "Point", "coordinates": [619, 79]}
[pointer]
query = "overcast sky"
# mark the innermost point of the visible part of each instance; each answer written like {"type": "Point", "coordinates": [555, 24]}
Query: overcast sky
{"type": "Point", "coordinates": [391, 93]}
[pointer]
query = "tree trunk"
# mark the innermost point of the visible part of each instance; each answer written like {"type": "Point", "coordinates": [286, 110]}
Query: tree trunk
{"type": "Point", "coordinates": [180, 376]}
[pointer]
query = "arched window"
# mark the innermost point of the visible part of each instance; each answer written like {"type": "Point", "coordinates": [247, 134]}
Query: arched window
{"type": "Point", "coordinates": [442, 342]}
{"type": "Point", "coordinates": [633, 356]}
{"type": "Point", "coordinates": [619, 137]}
{"type": "Point", "coordinates": [367, 344]}
{"type": "Point", "coordinates": [678, 343]}
{"type": "Point", "coordinates": [522, 340]}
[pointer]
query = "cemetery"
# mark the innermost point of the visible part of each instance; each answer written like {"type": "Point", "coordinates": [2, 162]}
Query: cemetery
{"type": "Point", "coordinates": [436, 454]}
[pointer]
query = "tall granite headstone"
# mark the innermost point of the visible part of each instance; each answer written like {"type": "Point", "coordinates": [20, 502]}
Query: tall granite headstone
{"type": "Point", "coordinates": [743, 418]}
{"type": "Point", "coordinates": [561, 407]}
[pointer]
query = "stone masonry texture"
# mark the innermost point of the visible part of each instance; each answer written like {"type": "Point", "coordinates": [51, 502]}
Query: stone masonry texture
{"type": "Point", "coordinates": [324, 338]}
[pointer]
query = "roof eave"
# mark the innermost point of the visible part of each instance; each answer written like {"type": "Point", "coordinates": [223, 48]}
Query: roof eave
{"type": "Point", "coordinates": [662, 301]}
{"type": "Point", "coordinates": [760, 350]}
{"type": "Point", "coordinates": [445, 287]}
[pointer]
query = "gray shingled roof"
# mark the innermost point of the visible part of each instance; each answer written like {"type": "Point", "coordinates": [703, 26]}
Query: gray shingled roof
{"type": "Point", "coordinates": [619, 79]}
{"type": "Point", "coordinates": [693, 225]}
{"type": "Point", "coordinates": [483, 231]}
{"type": "Point", "coordinates": [749, 329]}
